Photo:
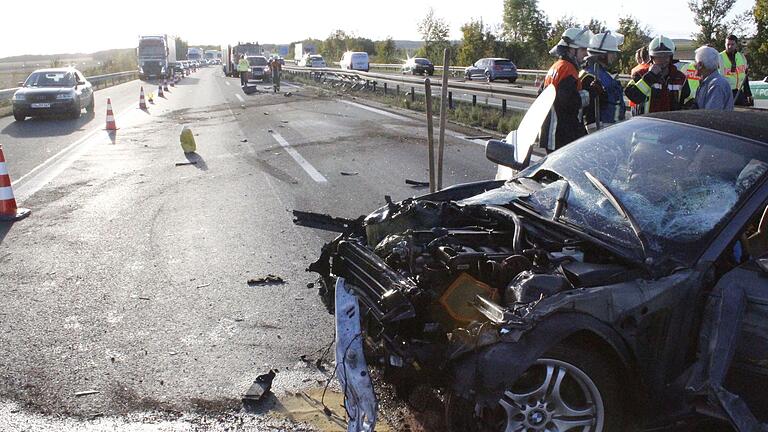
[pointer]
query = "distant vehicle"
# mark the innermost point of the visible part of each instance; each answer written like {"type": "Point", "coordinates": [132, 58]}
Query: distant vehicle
{"type": "Point", "coordinates": [312, 60]}
{"type": "Point", "coordinates": [181, 68]}
{"type": "Point", "coordinates": [492, 69]}
{"type": "Point", "coordinates": [355, 60]}
{"type": "Point", "coordinates": [210, 56]}
{"type": "Point", "coordinates": [418, 65]}
{"type": "Point", "coordinates": [53, 91]}
{"type": "Point", "coordinates": [194, 54]}
{"type": "Point", "coordinates": [259, 67]}
{"type": "Point", "coordinates": [156, 56]}
{"type": "Point", "coordinates": [301, 50]}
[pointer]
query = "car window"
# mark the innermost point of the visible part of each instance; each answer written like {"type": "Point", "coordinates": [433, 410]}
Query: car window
{"type": "Point", "coordinates": [502, 63]}
{"type": "Point", "coordinates": [257, 61]}
{"type": "Point", "coordinates": [50, 79]}
{"type": "Point", "coordinates": [679, 182]}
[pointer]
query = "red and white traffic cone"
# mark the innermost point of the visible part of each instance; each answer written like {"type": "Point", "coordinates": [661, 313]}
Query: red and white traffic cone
{"type": "Point", "coordinates": [8, 210]}
{"type": "Point", "coordinates": [160, 91]}
{"type": "Point", "coordinates": [142, 101]}
{"type": "Point", "coordinates": [111, 126]}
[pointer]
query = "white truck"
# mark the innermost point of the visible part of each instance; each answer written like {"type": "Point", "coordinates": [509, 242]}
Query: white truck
{"type": "Point", "coordinates": [194, 54]}
{"type": "Point", "coordinates": [156, 56]}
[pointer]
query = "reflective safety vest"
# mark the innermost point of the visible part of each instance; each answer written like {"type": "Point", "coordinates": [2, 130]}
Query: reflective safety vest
{"type": "Point", "coordinates": [693, 79]}
{"type": "Point", "coordinates": [735, 74]}
{"type": "Point", "coordinates": [243, 65]}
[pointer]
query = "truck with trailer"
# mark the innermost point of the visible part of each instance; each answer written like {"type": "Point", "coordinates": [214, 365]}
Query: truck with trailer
{"type": "Point", "coordinates": [156, 56]}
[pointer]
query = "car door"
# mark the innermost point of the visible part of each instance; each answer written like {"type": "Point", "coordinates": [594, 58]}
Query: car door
{"type": "Point", "coordinates": [748, 374]}
{"type": "Point", "coordinates": [476, 68]}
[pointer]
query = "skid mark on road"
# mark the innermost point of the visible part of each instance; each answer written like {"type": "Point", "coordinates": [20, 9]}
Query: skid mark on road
{"type": "Point", "coordinates": [316, 176]}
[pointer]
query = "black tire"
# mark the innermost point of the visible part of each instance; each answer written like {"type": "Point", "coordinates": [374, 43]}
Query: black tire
{"type": "Point", "coordinates": [19, 117]}
{"type": "Point", "coordinates": [91, 107]}
{"type": "Point", "coordinates": [467, 77]}
{"type": "Point", "coordinates": [512, 80]}
{"type": "Point", "coordinates": [601, 371]}
{"type": "Point", "coordinates": [430, 73]}
{"type": "Point", "coordinates": [488, 77]}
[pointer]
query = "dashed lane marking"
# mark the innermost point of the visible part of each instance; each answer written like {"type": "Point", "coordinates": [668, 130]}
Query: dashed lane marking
{"type": "Point", "coordinates": [227, 83]}
{"type": "Point", "coordinates": [240, 98]}
{"type": "Point", "coordinates": [377, 111]}
{"type": "Point", "coordinates": [315, 174]}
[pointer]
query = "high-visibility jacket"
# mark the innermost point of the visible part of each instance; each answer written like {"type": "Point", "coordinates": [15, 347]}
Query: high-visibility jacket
{"type": "Point", "coordinates": [243, 65]}
{"type": "Point", "coordinates": [564, 123]}
{"type": "Point", "coordinates": [611, 102]}
{"type": "Point", "coordinates": [654, 93]}
{"type": "Point", "coordinates": [734, 73]}
{"type": "Point", "coordinates": [636, 74]}
{"type": "Point", "coordinates": [693, 78]}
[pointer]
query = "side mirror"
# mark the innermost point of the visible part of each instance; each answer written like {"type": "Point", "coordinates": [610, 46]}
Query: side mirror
{"type": "Point", "coordinates": [20, 84]}
{"type": "Point", "coordinates": [509, 152]}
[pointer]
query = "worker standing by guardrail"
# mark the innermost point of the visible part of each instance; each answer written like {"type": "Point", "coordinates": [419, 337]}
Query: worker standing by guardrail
{"type": "Point", "coordinates": [606, 103]}
{"type": "Point", "coordinates": [242, 68]}
{"type": "Point", "coordinates": [662, 87]}
{"type": "Point", "coordinates": [564, 123]}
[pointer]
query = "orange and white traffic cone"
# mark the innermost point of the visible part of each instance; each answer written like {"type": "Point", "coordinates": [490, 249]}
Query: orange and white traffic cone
{"type": "Point", "coordinates": [142, 102]}
{"type": "Point", "coordinates": [160, 91]}
{"type": "Point", "coordinates": [111, 126]}
{"type": "Point", "coordinates": [8, 210]}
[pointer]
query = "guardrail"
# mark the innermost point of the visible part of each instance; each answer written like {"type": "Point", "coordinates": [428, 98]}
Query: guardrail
{"type": "Point", "coordinates": [95, 80]}
{"type": "Point", "coordinates": [502, 92]}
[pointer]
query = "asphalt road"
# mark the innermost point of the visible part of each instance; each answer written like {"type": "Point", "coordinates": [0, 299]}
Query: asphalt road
{"type": "Point", "coordinates": [130, 276]}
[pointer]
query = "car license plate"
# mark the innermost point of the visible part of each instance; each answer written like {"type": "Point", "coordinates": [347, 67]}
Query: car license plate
{"type": "Point", "coordinates": [41, 105]}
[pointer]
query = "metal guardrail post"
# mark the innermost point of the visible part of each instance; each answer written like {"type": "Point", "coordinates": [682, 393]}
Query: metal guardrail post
{"type": "Point", "coordinates": [374, 86]}
{"type": "Point", "coordinates": [474, 100]}
{"type": "Point", "coordinates": [397, 89]}
{"type": "Point", "coordinates": [385, 89]}
{"type": "Point", "coordinates": [413, 94]}
{"type": "Point", "coordinates": [450, 100]}
{"type": "Point", "coordinates": [503, 107]}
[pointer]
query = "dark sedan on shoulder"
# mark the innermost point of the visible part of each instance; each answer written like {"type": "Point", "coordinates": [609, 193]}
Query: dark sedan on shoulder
{"type": "Point", "coordinates": [418, 65]}
{"type": "Point", "coordinates": [492, 69]}
{"type": "Point", "coordinates": [53, 91]}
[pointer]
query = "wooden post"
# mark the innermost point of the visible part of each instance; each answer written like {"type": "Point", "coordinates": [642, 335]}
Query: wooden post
{"type": "Point", "coordinates": [430, 135]}
{"type": "Point", "coordinates": [443, 115]}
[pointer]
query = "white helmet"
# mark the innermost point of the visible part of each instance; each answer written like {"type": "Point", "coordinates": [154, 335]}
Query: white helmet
{"type": "Point", "coordinates": [576, 37]}
{"type": "Point", "coordinates": [605, 42]}
{"type": "Point", "coordinates": [661, 45]}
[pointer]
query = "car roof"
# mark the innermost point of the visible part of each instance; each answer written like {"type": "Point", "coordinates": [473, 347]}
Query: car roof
{"type": "Point", "coordinates": [64, 69]}
{"type": "Point", "coordinates": [744, 123]}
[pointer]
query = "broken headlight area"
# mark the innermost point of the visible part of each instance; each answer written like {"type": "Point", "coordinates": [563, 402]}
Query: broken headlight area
{"type": "Point", "coordinates": [438, 279]}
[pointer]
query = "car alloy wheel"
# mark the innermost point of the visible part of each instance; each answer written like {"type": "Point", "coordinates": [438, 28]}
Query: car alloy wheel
{"type": "Point", "coordinates": [554, 396]}
{"type": "Point", "coordinates": [488, 77]}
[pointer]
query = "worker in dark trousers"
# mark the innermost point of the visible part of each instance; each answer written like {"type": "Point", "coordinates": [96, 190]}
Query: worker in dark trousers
{"type": "Point", "coordinates": [242, 68]}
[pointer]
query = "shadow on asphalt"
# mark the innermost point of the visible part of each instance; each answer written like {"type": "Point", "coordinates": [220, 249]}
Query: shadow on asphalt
{"type": "Point", "coordinates": [45, 126]}
{"type": "Point", "coordinates": [198, 160]}
{"type": "Point", "coordinates": [5, 227]}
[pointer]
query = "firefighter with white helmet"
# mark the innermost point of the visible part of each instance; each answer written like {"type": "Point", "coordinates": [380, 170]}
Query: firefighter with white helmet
{"type": "Point", "coordinates": [564, 123]}
{"type": "Point", "coordinates": [606, 103]}
{"type": "Point", "coordinates": [662, 87]}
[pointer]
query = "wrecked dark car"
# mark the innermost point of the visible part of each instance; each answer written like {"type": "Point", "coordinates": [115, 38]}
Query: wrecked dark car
{"type": "Point", "coordinates": [620, 283]}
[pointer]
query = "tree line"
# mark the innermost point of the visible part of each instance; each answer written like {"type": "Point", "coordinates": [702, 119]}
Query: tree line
{"type": "Point", "coordinates": [526, 35]}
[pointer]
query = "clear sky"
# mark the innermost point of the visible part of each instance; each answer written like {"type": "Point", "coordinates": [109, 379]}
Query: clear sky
{"type": "Point", "coordinates": [49, 27]}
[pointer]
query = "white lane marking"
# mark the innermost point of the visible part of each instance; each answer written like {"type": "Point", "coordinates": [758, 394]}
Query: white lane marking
{"type": "Point", "coordinates": [67, 148]}
{"type": "Point", "coordinates": [377, 111]}
{"type": "Point", "coordinates": [316, 176]}
{"type": "Point", "coordinates": [56, 164]}
{"type": "Point", "coordinates": [240, 98]}
{"type": "Point", "coordinates": [227, 83]}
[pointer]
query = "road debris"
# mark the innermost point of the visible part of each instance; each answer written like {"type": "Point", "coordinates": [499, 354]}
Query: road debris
{"type": "Point", "coordinates": [416, 183]}
{"type": "Point", "coordinates": [260, 387]}
{"type": "Point", "coordinates": [310, 285]}
{"type": "Point", "coordinates": [203, 285]}
{"type": "Point", "coordinates": [269, 279]}
{"type": "Point", "coordinates": [270, 131]}
{"type": "Point", "coordinates": [136, 297]}
{"type": "Point", "coordinates": [349, 173]}
{"type": "Point", "coordinates": [482, 137]}
{"type": "Point", "coordinates": [244, 140]}
{"type": "Point", "coordinates": [186, 163]}
{"type": "Point", "coordinates": [288, 94]}
{"type": "Point", "coordinates": [86, 393]}
{"type": "Point", "coordinates": [266, 113]}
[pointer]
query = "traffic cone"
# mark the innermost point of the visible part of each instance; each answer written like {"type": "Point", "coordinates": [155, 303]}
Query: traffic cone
{"type": "Point", "coordinates": [187, 140]}
{"type": "Point", "coordinates": [142, 102]}
{"type": "Point", "coordinates": [8, 210]}
{"type": "Point", "coordinates": [111, 126]}
{"type": "Point", "coordinates": [165, 85]}
{"type": "Point", "coordinates": [160, 91]}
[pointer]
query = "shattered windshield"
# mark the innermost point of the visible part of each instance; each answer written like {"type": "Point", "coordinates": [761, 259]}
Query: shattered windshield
{"type": "Point", "coordinates": [50, 79]}
{"type": "Point", "coordinates": [679, 182]}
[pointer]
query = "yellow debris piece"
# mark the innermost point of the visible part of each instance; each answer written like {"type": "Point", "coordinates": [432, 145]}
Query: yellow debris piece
{"type": "Point", "coordinates": [187, 140]}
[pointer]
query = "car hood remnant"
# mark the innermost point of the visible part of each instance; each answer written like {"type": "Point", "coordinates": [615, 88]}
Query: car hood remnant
{"type": "Point", "coordinates": [467, 288]}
